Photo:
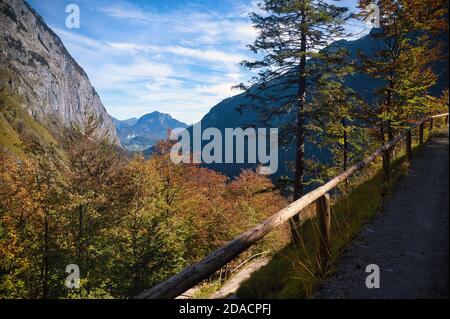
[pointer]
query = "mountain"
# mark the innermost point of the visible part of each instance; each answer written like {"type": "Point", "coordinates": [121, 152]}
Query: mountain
{"type": "Point", "coordinates": [230, 113]}
{"type": "Point", "coordinates": [124, 123]}
{"type": "Point", "coordinates": [34, 64]}
{"type": "Point", "coordinates": [140, 134]}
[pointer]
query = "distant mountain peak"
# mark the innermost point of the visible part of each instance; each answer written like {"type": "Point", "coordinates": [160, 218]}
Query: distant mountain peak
{"type": "Point", "coordinates": [156, 115]}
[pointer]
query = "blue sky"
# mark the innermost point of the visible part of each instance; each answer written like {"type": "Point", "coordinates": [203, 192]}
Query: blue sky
{"type": "Point", "coordinates": [174, 56]}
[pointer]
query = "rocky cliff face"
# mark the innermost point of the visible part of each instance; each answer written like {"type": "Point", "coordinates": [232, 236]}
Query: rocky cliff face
{"type": "Point", "coordinates": [55, 89]}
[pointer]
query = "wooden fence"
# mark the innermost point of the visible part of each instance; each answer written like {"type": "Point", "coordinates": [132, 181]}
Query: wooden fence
{"type": "Point", "coordinates": [192, 275]}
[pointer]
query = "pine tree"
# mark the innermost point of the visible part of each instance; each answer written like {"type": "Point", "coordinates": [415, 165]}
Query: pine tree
{"type": "Point", "coordinates": [290, 33]}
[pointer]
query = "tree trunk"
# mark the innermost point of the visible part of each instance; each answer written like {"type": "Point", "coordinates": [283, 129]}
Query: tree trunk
{"type": "Point", "coordinates": [344, 126]}
{"type": "Point", "coordinates": [390, 103]}
{"type": "Point", "coordinates": [387, 165]}
{"type": "Point", "coordinates": [390, 131]}
{"type": "Point", "coordinates": [300, 134]}
{"type": "Point", "coordinates": [386, 154]}
{"type": "Point", "coordinates": [323, 209]}
{"type": "Point", "coordinates": [80, 232]}
{"type": "Point", "coordinates": [45, 261]}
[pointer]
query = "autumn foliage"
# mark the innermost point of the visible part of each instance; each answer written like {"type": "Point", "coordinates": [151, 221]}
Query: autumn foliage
{"type": "Point", "coordinates": [127, 223]}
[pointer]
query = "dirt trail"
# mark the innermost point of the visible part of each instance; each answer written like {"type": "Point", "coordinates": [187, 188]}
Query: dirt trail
{"type": "Point", "coordinates": [408, 240]}
{"type": "Point", "coordinates": [229, 289]}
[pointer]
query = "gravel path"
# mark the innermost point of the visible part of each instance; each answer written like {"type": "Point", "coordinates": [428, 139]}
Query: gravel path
{"type": "Point", "coordinates": [408, 240]}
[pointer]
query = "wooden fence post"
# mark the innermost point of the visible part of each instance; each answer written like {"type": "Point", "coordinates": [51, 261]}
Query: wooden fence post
{"type": "Point", "coordinates": [387, 164]}
{"type": "Point", "coordinates": [409, 146]}
{"type": "Point", "coordinates": [421, 133]}
{"type": "Point", "coordinates": [431, 128]}
{"type": "Point", "coordinates": [323, 209]}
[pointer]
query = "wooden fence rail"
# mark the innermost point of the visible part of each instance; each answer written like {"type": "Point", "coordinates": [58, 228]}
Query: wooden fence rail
{"type": "Point", "coordinates": [192, 275]}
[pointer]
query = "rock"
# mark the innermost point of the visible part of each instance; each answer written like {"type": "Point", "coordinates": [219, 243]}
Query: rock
{"type": "Point", "coordinates": [55, 89]}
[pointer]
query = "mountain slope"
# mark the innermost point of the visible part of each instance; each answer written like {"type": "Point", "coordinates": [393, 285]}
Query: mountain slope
{"type": "Point", "coordinates": [54, 88]}
{"type": "Point", "coordinates": [230, 113]}
{"type": "Point", "coordinates": [140, 134]}
{"type": "Point", "coordinates": [124, 123]}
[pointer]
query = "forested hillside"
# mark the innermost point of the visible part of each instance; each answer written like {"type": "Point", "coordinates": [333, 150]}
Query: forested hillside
{"type": "Point", "coordinates": [70, 194]}
{"type": "Point", "coordinates": [128, 223]}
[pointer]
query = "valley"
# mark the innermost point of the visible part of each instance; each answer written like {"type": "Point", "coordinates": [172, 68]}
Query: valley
{"type": "Point", "coordinates": [135, 210]}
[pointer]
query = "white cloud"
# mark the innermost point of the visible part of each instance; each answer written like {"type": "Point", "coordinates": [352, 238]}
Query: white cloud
{"type": "Point", "coordinates": [111, 74]}
{"type": "Point", "coordinates": [128, 48]}
{"type": "Point", "coordinates": [212, 55]}
{"type": "Point", "coordinates": [208, 27]}
{"type": "Point", "coordinates": [223, 89]}
{"type": "Point", "coordinates": [128, 11]}
{"type": "Point", "coordinates": [244, 9]}
{"type": "Point", "coordinates": [79, 40]}
{"type": "Point", "coordinates": [181, 62]}
{"type": "Point", "coordinates": [208, 55]}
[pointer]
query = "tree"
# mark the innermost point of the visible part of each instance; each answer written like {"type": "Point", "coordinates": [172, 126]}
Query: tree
{"type": "Point", "coordinates": [403, 65]}
{"type": "Point", "coordinates": [142, 241]}
{"type": "Point", "coordinates": [15, 207]}
{"type": "Point", "coordinates": [255, 198]}
{"type": "Point", "coordinates": [92, 165]}
{"type": "Point", "coordinates": [334, 109]}
{"type": "Point", "coordinates": [29, 213]}
{"type": "Point", "coordinates": [403, 62]}
{"type": "Point", "coordinates": [290, 33]}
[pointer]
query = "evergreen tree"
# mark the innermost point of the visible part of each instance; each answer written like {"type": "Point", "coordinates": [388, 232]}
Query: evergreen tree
{"type": "Point", "coordinates": [290, 33]}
